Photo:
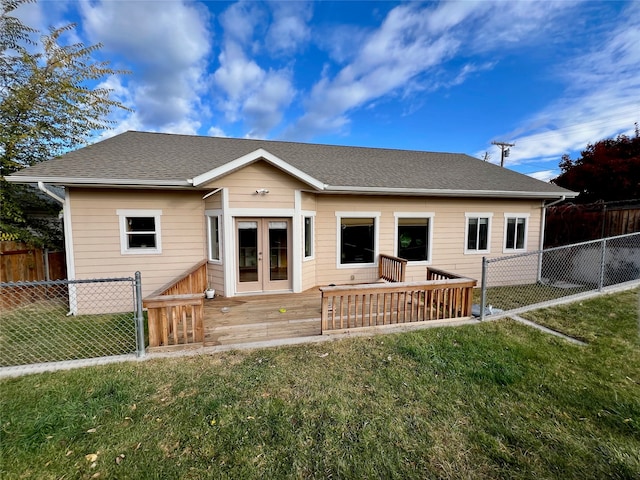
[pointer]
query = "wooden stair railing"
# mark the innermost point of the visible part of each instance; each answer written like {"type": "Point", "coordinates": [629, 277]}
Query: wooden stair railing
{"type": "Point", "coordinates": [392, 269]}
{"type": "Point", "coordinates": [176, 310]}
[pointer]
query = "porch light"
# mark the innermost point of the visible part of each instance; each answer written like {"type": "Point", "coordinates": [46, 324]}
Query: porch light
{"type": "Point", "coordinates": [262, 191]}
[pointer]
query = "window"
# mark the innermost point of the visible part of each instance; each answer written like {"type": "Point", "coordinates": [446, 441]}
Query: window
{"type": "Point", "coordinates": [357, 239]}
{"type": "Point", "coordinates": [139, 231]}
{"type": "Point", "coordinates": [308, 237]}
{"type": "Point", "coordinates": [478, 235]}
{"type": "Point", "coordinates": [515, 231]}
{"type": "Point", "coordinates": [413, 237]}
{"type": "Point", "coordinates": [214, 237]}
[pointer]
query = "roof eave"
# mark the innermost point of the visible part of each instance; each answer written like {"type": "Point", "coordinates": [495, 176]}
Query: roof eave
{"type": "Point", "coordinates": [432, 192]}
{"type": "Point", "coordinates": [115, 182]}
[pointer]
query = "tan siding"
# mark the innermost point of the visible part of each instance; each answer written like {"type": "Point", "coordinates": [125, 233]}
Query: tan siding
{"type": "Point", "coordinates": [242, 186]}
{"type": "Point", "coordinates": [309, 274]}
{"type": "Point", "coordinates": [96, 234]}
{"type": "Point", "coordinates": [308, 201]}
{"type": "Point", "coordinates": [214, 202]}
{"type": "Point", "coordinates": [215, 277]}
{"type": "Point", "coordinates": [448, 233]}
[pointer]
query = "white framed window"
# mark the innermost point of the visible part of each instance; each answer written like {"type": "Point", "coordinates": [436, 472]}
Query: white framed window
{"type": "Point", "coordinates": [477, 232]}
{"type": "Point", "coordinates": [413, 236]}
{"type": "Point", "coordinates": [140, 232]}
{"type": "Point", "coordinates": [515, 232]}
{"type": "Point", "coordinates": [214, 236]}
{"type": "Point", "coordinates": [308, 236]}
{"type": "Point", "coordinates": [357, 238]}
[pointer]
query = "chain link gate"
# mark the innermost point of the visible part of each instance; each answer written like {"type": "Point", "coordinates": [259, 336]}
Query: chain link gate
{"type": "Point", "coordinates": [66, 320]}
{"type": "Point", "coordinates": [533, 278]}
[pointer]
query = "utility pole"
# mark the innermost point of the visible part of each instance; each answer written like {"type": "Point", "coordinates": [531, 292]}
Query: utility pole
{"type": "Point", "coordinates": [504, 150]}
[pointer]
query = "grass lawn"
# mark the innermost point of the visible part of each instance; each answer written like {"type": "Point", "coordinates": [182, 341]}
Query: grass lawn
{"type": "Point", "coordinates": [496, 400]}
{"type": "Point", "coordinates": [516, 296]}
{"type": "Point", "coordinates": [42, 332]}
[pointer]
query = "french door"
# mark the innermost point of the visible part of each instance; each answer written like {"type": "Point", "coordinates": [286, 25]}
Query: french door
{"type": "Point", "coordinates": [263, 252]}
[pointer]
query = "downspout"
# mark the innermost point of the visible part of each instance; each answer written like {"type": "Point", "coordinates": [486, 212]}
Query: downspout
{"type": "Point", "coordinates": [44, 189]}
{"type": "Point", "coordinates": [543, 222]}
{"type": "Point", "coordinates": [72, 295]}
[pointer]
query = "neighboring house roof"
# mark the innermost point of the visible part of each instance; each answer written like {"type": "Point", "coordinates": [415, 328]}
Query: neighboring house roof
{"type": "Point", "coordinates": [169, 160]}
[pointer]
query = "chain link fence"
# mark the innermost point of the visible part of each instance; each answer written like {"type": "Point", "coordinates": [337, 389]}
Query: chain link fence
{"type": "Point", "coordinates": [63, 320]}
{"type": "Point", "coordinates": [534, 278]}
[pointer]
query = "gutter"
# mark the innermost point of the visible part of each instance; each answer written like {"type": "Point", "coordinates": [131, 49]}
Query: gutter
{"type": "Point", "coordinates": [107, 182]}
{"type": "Point", "coordinates": [444, 192]}
{"type": "Point", "coordinates": [44, 189]}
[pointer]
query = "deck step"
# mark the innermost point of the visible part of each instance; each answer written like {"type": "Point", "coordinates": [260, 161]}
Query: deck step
{"type": "Point", "coordinates": [261, 331]}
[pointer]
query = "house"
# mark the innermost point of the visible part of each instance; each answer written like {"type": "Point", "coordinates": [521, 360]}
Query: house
{"type": "Point", "coordinates": [272, 216]}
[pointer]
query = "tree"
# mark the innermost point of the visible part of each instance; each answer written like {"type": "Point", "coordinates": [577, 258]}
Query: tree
{"type": "Point", "coordinates": [49, 104]}
{"type": "Point", "coordinates": [607, 170]}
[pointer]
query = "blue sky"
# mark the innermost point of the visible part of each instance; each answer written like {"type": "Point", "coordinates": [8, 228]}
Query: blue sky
{"type": "Point", "coordinates": [549, 76]}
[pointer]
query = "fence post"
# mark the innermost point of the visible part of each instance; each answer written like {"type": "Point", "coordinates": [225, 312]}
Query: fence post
{"type": "Point", "coordinates": [603, 253]}
{"type": "Point", "coordinates": [140, 351]}
{"type": "Point", "coordinates": [483, 288]}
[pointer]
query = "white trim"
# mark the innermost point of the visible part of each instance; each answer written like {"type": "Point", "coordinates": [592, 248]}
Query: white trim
{"type": "Point", "coordinates": [478, 215]}
{"type": "Point", "coordinates": [508, 216]}
{"type": "Point", "coordinates": [259, 154]}
{"type": "Point", "coordinates": [99, 181]}
{"type": "Point", "coordinates": [376, 240]}
{"type": "Point", "coordinates": [296, 243]}
{"type": "Point", "coordinates": [267, 212]}
{"type": "Point", "coordinates": [228, 246]}
{"type": "Point", "coordinates": [312, 216]}
{"type": "Point", "coordinates": [69, 251]}
{"type": "Point", "coordinates": [430, 216]}
{"type": "Point", "coordinates": [123, 214]}
{"type": "Point", "coordinates": [214, 214]}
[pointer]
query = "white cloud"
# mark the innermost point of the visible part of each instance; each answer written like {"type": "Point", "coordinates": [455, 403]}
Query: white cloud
{"type": "Point", "coordinates": [289, 30]}
{"type": "Point", "coordinates": [544, 175]}
{"type": "Point", "coordinates": [169, 43]}
{"type": "Point", "coordinates": [602, 98]}
{"type": "Point", "coordinates": [408, 53]}
{"type": "Point", "coordinates": [246, 91]}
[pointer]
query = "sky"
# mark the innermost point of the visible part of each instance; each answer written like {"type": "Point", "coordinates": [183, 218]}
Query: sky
{"type": "Point", "coordinates": [453, 76]}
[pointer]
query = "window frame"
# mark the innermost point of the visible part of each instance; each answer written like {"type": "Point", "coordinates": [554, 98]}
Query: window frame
{"type": "Point", "coordinates": [376, 231]}
{"type": "Point", "coordinates": [516, 216]}
{"type": "Point", "coordinates": [416, 215]}
{"type": "Point", "coordinates": [478, 215]}
{"type": "Point", "coordinates": [311, 216]}
{"type": "Point", "coordinates": [211, 214]}
{"type": "Point", "coordinates": [123, 215]}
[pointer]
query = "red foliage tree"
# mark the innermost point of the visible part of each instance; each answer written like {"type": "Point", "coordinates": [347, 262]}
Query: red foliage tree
{"type": "Point", "coordinates": [606, 170]}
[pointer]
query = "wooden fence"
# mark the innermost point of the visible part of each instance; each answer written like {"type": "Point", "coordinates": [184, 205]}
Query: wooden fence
{"type": "Point", "coordinates": [21, 263]}
{"type": "Point", "coordinates": [443, 296]}
{"type": "Point", "coordinates": [176, 310]}
{"type": "Point", "coordinates": [567, 224]}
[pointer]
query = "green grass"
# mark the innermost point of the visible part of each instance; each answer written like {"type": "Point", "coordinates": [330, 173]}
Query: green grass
{"type": "Point", "coordinates": [496, 400]}
{"type": "Point", "coordinates": [516, 296]}
{"type": "Point", "coordinates": [42, 332]}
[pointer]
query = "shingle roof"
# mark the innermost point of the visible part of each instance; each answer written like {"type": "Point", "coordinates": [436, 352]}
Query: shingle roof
{"type": "Point", "coordinates": [169, 159]}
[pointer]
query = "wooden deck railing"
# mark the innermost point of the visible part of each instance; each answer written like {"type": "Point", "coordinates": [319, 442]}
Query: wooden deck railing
{"type": "Point", "coordinates": [437, 274]}
{"type": "Point", "coordinates": [392, 269]}
{"type": "Point", "coordinates": [176, 310]}
{"type": "Point", "coordinates": [357, 306]}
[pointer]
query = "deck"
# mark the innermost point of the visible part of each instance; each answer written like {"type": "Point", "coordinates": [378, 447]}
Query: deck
{"type": "Point", "coordinates": [258, 318]}
{"type": "Point", "coordinates": [180, 316]}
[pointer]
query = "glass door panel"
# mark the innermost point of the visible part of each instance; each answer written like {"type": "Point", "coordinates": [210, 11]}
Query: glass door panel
{"type": "Point", "coordinates": [248, 251]}
{"type": "Point", "coordinates": [278, 248]}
